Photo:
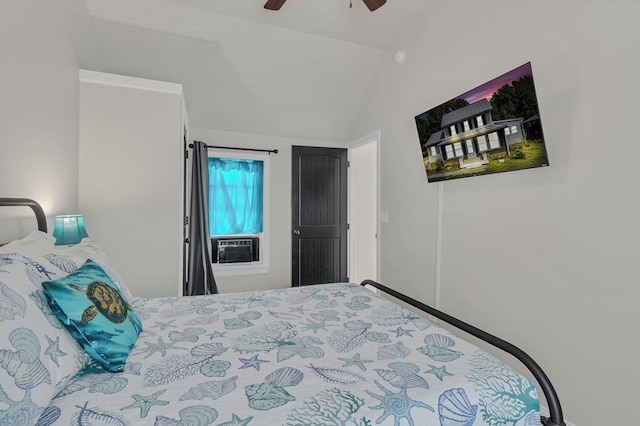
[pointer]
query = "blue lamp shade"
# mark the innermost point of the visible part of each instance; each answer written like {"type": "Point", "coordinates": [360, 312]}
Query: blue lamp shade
{"type": "Point", "coordinates": [69, 229]}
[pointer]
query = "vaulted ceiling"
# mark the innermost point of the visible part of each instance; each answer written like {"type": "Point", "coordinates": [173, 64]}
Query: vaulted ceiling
{"type": "Point", "coordinates": [300, 72]}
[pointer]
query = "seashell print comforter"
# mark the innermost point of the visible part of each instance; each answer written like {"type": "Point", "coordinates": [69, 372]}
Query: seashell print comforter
{"type": "Point", "coordinates": [332, 354]}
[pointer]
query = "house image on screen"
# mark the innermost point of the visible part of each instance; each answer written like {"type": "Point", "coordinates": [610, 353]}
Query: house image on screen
{"type": "Point", "coordinates": [470, 135]}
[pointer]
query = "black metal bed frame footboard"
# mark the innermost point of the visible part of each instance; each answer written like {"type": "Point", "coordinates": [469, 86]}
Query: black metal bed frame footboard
{"type": "Point", "coordinates": [555, 410]}
{"type": "Point", "coordinates": [37, 210]}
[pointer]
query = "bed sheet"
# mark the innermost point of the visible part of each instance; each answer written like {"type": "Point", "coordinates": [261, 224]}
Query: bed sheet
{"type": "Point", "coordinates": [332, 354]}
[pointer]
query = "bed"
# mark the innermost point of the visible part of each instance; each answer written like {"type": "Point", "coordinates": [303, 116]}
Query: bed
{"type": "Point", "coordinates": [330, 354]}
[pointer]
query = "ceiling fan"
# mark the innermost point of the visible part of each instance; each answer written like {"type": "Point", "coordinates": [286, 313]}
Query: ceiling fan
{"type": "Point", "coordinates": [277, 4]}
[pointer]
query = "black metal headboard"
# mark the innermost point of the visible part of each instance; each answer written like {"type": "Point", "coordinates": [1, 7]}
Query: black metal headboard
{"type": "Point", "coordinates": [40, 217]}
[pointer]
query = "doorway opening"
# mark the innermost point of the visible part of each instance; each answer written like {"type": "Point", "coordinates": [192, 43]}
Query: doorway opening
{"type": "Point", "coordinates": [364, 196]}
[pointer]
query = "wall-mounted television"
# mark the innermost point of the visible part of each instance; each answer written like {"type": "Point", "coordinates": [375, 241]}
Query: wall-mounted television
{"type": "Point", "coordinates": [492, 128]}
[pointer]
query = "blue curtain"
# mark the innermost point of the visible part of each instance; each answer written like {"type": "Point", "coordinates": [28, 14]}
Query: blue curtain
{"type": "Point", "coordinates": [235, 196]}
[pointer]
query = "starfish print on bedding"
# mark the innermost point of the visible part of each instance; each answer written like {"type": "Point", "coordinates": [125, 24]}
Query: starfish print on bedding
{"type": "Point", "coordinates": [356, 361]}
{"type": "Point", "coordinates": [146, 402]}
{"type": "Point", "coordinates": [402, 332]}
{"type": "Point", "coordinates": [252, 362]}
{"type": "Point", "coordinates": [338, 294]}
{"type": "Point", "coordinates": [53, 350]}
{"type": "Point", "coordinates": [216, 334]}
{"type": "Point", "coordinates": [160, 346]}
{"type": "Point", "coordinates": [315, 326]}
{"type": "Point", "coordinates": [398, 405]}
{"type": "Point", "coordinates": [298, 309]}
{"type": "Point", "coordinates": [439, 372]}
{"type": "Point", "coordinates": [164, 325]}
{"type": "Point", "coordinates": [237, 421]}
{"type": "Point", "coordinates": [231, 308]}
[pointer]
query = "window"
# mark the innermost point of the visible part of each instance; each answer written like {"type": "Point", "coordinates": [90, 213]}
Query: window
{"type": "Point", "coordinates": [482, 143]}
{"type": "Point", "coordinates": [470, 146]}
{"type": "Point", "coordinates": [449, 150]}
{"type": "Point", "coordinates": [457, 147]}
{"type": "Point", "coordinates": [514, 129]}
{"type": "Point", "coordinates": [239, 205]}
{"type": "Point", "coordinates": [479, 121]}
{"type": "Point", "coordinates": [235, 196]}
{"type": "Point", "coordinates": [433, 151]}
{"type": "Point", "coordinates": [494, 142]}
{"type": "Point", "coordinates": [466, 125]}
{"type": "Point", "coordinates": [506, 131]}
{"type": "Point", "coordinates": [452, 129]}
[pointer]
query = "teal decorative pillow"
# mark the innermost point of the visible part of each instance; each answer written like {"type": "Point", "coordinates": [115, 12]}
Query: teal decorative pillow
{"type": "Point", "coordinates": [94, 312]}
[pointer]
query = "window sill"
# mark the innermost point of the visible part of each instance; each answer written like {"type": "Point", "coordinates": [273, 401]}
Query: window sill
{"type": "Point", "coordinates": [233, 269]}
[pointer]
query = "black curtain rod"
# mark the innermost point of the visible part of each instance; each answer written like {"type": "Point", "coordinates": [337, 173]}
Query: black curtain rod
{"type": "Point", "coordinates": [269, 151]}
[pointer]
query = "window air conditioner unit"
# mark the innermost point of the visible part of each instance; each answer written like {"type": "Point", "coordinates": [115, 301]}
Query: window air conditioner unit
{"type": "Point", "coordinates": [235, 249]}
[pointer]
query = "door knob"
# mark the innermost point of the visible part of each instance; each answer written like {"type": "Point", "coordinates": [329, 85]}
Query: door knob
{"type": "Point", "coordinates": [296, 232]}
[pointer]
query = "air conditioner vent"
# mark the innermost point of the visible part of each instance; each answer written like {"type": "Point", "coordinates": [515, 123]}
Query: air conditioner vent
{"type": "Point", "coordinates": [235, 249]}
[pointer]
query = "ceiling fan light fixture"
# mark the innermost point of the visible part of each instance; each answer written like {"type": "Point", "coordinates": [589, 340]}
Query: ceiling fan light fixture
{"type": "Point", "coordinates": [374, 4]}
{"type": "Point", "coordinates": [274, 4]}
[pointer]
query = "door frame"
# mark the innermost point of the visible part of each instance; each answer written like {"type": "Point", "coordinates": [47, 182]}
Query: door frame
{"type": "Point", "coordinates": [373, 137]}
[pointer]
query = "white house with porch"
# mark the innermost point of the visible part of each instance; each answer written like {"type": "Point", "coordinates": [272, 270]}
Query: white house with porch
{"type": "Point", "coordinates": [470, 135]}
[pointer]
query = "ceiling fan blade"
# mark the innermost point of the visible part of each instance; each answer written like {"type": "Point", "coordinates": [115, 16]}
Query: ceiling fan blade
{"type": "Point", "coordinates": [374, 4]}
{"type": "Point", "coordinates": [274, 4]}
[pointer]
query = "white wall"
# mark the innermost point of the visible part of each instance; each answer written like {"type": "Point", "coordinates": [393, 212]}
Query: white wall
{"type": "Point", "coordinates": [545, 257]}
{"type": "Point", "coordinates": [39, 107]}
{"type": "Point", "coordinates": [279, 275]}
{"type": "Point", "coordinates": [130, 190]}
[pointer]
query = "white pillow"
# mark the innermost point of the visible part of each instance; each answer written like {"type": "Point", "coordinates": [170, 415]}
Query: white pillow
{"type": "Point", "coordinates": [37, 355]}
{"type": "Point", "coordinates": [67, 258]}
{"type": "Point", "coordinates": [36, 243]}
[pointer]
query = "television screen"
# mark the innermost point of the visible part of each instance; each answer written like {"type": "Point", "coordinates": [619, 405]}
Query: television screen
{"type": "Point", "coordinates": [492, 128]}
